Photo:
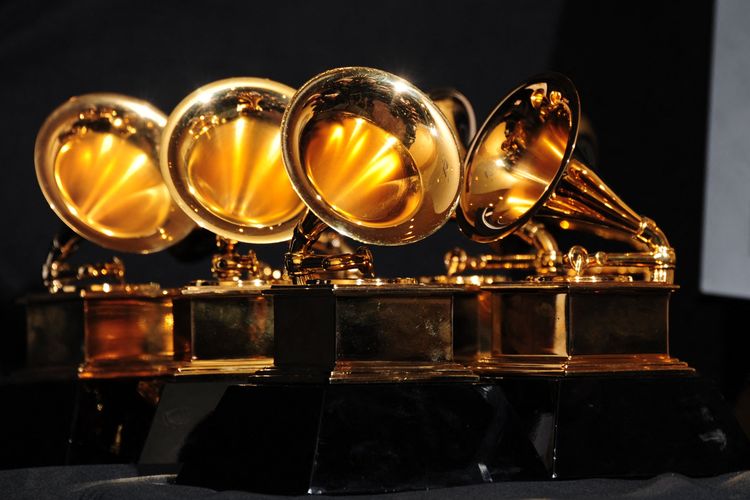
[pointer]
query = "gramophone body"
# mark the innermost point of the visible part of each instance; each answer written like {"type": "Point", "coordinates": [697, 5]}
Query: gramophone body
{"type": "Point", "coordinates": [97, 163]}
{"type": "Point", "coordinates": [222, 160]}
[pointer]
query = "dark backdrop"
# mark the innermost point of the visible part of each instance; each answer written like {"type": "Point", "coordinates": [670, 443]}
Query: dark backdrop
{"type": "Point", "coordinates": [642, 68]}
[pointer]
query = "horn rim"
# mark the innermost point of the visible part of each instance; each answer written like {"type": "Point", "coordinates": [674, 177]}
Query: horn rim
{"type": "Point", "coordinates": [47, 148]}
{"type": "Point", "coordinates": [190, 205]}
{"type": "Point", "coordinates": [486, 234]}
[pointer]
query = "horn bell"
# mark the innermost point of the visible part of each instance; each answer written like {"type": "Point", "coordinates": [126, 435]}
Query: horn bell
{"type": "Point", "coordinates": [371, 156]}
{"type": "Point", "coordinates": [221, 157]}
{"type": "Point", "coordinates": [97, 163]}
{"type": "Point", "coordinates": [522, 163]}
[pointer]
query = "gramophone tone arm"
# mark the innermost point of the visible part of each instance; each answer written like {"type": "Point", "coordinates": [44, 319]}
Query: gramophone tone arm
{"type": "Point", "coordinates": [545, 260]}
{"type": "Point", "coordinates": [57, 272]}
{"type": "Point", "coordinates": [229, 265]}
{"type": "Point", "coordinates": [301, 261]}
{"type": "Point", "coordinates": [657, 266]}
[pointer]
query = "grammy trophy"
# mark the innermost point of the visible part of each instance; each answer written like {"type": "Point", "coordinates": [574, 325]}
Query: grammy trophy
{"type": "Point", "coordinates": [221, 158]}
{"type": "Point", "coordinates": [587, 313]}
{"type": "Point", "coordinates": [373, 158]}
{"type": "Point", "coordinates": [97, 164]}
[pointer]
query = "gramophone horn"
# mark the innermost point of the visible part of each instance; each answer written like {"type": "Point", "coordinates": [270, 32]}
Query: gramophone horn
{"type": "Point", "coordinates": [373, 158]}
{"type": "Point", "coordinates": [96, 160]}
{"type": "Point", "coordinates": [221, 157]}
{"type": "Point", "coordinates": [459, 112]}
{"type": "Point", "coordinates": [97, 163]}
{"type": "Point", "coordinates": [522, 164]}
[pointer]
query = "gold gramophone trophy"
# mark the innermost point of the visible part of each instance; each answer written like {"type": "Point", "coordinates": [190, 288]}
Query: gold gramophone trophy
{"type": "Point", "coordinates": [221, 158]}
{"type": "Point", "coordinates": [373, 158]}
{"type": "Point", "coordinates": [97, 164]}
{"type": "Point", "coordinates": [602, 312]}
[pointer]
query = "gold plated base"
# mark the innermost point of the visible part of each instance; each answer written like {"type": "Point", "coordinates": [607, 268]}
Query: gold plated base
{"type": "Point", "coordinates": [576, 365]}
{"type": "Point", "coordinates": [126, 368]}
{"type": "Point", "coordinates": [378, 371]}
{"type": "Point", "coordinates": [224, 366]}
{"type": "Point", "coordinates": [364, 333]}
{"type": "Point", "coordinates": [104, 332]}
{"type": "Point", "coordinates": [223, 329]}
{"type": "Point", "coordinates": [565, 328]}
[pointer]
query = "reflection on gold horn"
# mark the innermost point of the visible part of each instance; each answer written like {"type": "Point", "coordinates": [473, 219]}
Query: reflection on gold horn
{"type": "Point", "coordinates": [459, 112]}
{"type": "Point", "coordinates": [521, 164]}
{"type": "Point", "coordinates": [221, 157]}
{"type": "Point", "coordinates": [97, 163]}
{"type": "Point", "coordinates": [373, 158]}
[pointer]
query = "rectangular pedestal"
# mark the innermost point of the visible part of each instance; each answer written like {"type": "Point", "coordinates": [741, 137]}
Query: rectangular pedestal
{"type": "Point", "coordinates": [364, 333]}
{"type": "Point", "coordinates": [101, 334]}
{"type": "Point", "coordinates": [223, 330]}
{"type": "Point", "coordinates": [568, 328]}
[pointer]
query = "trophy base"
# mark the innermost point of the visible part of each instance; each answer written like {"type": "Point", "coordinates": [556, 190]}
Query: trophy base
{"type": "Point", "coordinates": [372, 372]}
{"type": "Point", "coordinates": [375, 438]}
{"type": "Point", "coordinates": [125, 368]}
{"type": "Point", "coordinates": [372, 333]}
{"type": "Point", "coordinates": [208, 367]}
{"type": "Point", "coordinates": [575, 365]}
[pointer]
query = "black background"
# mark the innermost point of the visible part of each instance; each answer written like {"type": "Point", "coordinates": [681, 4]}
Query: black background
{"type": "Point", "coordinates": [642, 69]}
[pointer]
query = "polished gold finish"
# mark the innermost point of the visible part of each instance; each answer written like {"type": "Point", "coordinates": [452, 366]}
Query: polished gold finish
{"type": "Point", "coordinates": [373, 158]}
{"type": "Point", "coordinates": [128, 331]}
{"type": "Point", "coordinates": [546, 261]}
{"type": "Point", "coordinates": [96, 160]}
{"type": "Point", "coordinates": [459, 112]}
{"type": "Point", "coordinates": [221, 157]}
{"type": "Point", "coordinates": [606, 312]}
{"type": "Point", "coordinates": [521, 164]}
{"type": "Point", "coordinates": [97, 164]}
{"type": "Point", "coordinates": [491, 267]}
{"type": "Point", "coordinates": [361, 171]}
{"type": "Point", "coordinates": [58, 275]}
{"type": "Point", "coordinates": [567, 328]}
{"type": "Point", "coordinates": [222, 160]}
{"type": "Point", "coordinates": [377, 331]}
{"type": "Point", "coordinates": [229, 266]}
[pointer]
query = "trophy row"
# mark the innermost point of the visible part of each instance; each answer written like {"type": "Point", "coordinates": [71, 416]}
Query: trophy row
{"type": "Point", "coordinates": [356, 154]}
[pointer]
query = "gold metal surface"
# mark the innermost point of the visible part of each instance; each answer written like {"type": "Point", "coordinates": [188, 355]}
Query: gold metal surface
{"type": "Point", "coordinates": [385, 332]}
{"type": "Point", "coordinates": [221, 157]}
{"type": "Point", "coordinates": [222, 160]}
{"type": "Point", "coordinates": [101, 331]}
{"type": "Point", "coordinates": [127, 335]}
{"type": "Point", "coordinates": [567, 328]}
{"type": "Point", "coordinates": [545, 261]}
{"type": "Point", "coordinates": [59, 275]}
{"type": "Point", "coordinates": [521, 164]}
{"type": "Point", "coordinates": [97, 161]}
{"type": "Point", "coordinates": [361, 171]}
{"type": "Point", "coordinates": [373, 158]}
{"type": "Point", "coordinates": [223, 329]}
{"type": "Point", "coordinates": [459, 112]}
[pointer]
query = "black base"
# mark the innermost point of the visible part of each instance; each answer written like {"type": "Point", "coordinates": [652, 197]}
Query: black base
{"type": "Point", "coordinates": [369, 438]}
{"type": "Point", "coordinates": [70, 421]}
{"type": "Point", "coordinates": [112, 419]}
